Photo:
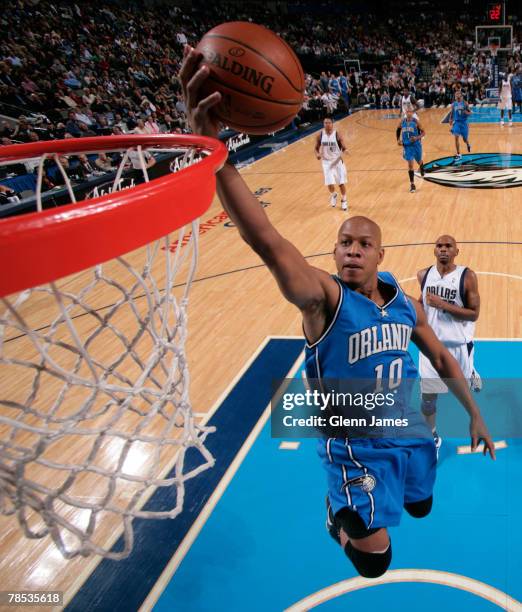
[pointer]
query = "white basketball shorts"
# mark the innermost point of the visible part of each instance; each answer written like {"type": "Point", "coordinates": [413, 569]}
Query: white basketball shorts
{"type": "Point", "coordinates": [335, 175]}
{"type": "Point", "coordinates": [431, 381]}
{"type": "Point", "coordinates": [506, 103]}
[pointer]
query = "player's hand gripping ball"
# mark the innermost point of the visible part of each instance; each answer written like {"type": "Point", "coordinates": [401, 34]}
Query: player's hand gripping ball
{"type": "Point", "coordinates": [260, 79]}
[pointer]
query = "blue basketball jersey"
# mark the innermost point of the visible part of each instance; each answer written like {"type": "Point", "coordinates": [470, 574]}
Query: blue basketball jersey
{"type": "Point", "coordinates": [458, 111]}
{"type": "Point", "coordinates": [409, 129]}
{"type": "Point", "coordinates": [364, 340]}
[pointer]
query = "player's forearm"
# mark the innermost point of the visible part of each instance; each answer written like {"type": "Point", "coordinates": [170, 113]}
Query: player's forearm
{"type": "Point", "coordinates": [459, 312]}
{"type": "Point", "coordinates": [243, 208]}
{"type": "Point", "coordinates": [449, 370]}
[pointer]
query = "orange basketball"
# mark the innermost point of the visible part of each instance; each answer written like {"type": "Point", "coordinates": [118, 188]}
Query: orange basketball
{"type": "Point", "coordinates": [259, 76]}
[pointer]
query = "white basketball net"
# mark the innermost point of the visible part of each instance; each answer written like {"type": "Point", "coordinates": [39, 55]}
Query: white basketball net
{"type": "Point", "coordinates": [94, 405]}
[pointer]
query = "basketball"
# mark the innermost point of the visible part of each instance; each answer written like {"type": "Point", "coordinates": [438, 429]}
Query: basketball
{"type": "Point", "coordinates": [258, 75]}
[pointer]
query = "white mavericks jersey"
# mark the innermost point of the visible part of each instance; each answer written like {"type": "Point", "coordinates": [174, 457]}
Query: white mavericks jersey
{"type": "Point", "coordinates": [450, 288]}
{"type": "Point", "coordinates": [329, 146]}
{"type": "Point", "coordinates": [505, 89]}
{"type": "Point", "coordinates": [406, 103]}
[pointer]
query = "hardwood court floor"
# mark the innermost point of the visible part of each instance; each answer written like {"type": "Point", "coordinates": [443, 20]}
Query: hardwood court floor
{"type": "Point", "coordinates": [235, 303]}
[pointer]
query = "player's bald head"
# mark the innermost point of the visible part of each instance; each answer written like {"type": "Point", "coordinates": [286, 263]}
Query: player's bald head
{"type": "Point", "coordinates": [360, 225]}
{"type": "Point", "coordinates": [446, 239]}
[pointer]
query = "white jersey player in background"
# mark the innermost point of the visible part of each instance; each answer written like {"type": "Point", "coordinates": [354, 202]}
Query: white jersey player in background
{"type": "Point", "coordinates": [506, 99]}
{"type": "Point", "coordinates": [451, 301]}
{"type": "Point", "coordinates": [329, 148]}
{"type": "Point", "coordinates": [408, 102]}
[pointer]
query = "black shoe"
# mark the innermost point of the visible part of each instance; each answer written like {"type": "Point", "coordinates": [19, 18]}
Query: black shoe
{"type": "Point", "coordinates": [331, 525]}
{"type": "Point", "coordinates": [412, 188]}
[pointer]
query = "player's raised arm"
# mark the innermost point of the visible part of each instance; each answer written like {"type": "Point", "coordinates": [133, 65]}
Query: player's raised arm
{"type": "Point", "coordinates": [448, 368]}
{"type": "Point", "coordinates": [310, 289]}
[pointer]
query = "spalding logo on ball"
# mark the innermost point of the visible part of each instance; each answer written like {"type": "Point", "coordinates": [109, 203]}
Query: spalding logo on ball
{"type": "Point", "coordinates": [260, 79]}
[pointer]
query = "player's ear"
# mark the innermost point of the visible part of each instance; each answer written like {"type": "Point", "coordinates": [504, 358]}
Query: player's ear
{"type": "Point", "coordinates": [334, 250]}
{"type": "Point", "coordinates": [381, 256]}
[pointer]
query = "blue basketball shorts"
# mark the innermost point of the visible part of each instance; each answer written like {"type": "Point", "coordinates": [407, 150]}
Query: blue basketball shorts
{"type": "Point", "coordinates": [413, 151]}
{"type": "Point", "coordinates": [376, 477]}
{"type": "Point", "coordinates": [460, 128]}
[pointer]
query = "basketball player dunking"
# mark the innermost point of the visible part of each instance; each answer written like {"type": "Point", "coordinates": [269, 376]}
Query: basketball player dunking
{"type": "Point", "coordinates": [409, 135]}
{"type": "Point", "coordinates": [506, 100]}
{"type": "Point", "coordinates": [329, 148]}
{"type": "Point", "coordinates": [459, 122]}
{"type": "Point", "coordinates": [334, 308]}
{"type": "Point", "coordinates": [451, 301]}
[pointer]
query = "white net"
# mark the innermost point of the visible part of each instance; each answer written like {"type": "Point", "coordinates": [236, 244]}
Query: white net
{"type": "Point", "coordinates": [95, 412]}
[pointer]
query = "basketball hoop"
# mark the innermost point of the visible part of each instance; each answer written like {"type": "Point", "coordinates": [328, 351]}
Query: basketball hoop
{"type": "Point", "coordinates": [94, 402]}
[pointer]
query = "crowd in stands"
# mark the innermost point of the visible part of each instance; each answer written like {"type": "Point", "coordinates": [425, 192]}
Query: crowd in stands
{"type": "Point", "coordinates": [70, 70]}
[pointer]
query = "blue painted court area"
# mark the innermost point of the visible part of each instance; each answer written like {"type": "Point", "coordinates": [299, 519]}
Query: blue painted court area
{"type": "Point", "coordinates": [488, 114]}
{"type": "Point", "coordinates": [265, 548]}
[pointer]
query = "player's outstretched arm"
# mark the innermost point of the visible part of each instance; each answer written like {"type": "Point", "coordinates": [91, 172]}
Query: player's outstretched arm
{"type": "Point", "coordinates": [448, 368]}
{"type": "Point", "coordinates": [306, 287]}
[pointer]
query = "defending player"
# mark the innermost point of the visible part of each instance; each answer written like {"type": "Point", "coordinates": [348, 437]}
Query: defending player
{"type": "Point", "coordinates": [460, 112]}
{"type": "Point", "coordinates": [408, 101]}
{"type": "Point", "coordinates": [329, 148]}
{"type": "Point", "coordinates": [506, 100]}
{"type": "Point", "coordinates": [451, 301]}
{"type": "Point", "coordinates": [409, 134]}
{"type": "Point", "coordinates": [334, 308]}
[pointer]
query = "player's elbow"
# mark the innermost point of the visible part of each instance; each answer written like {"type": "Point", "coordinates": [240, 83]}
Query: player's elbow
{"type": "Point", "coordinates": [438, 362]}
{"type": "Point", "coordinates": [474, 316]}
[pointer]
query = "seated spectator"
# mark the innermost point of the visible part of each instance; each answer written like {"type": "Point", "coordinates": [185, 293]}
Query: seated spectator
{"type": "Point", "coordinates": [72, 125]}
{"type": "Point", "coordinates": [104, 163]}
{"type": "Point", "coordinates": [85, 130]}
{"type": "Point", "coordinates": [8, 195]}
{"type": "Point", "coordinates": [140, 127]}
{"type": "Point", "coordinates": [151, 126]}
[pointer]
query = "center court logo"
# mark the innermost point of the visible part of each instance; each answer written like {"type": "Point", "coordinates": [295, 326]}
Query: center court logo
{"type": "Point", "coordinates": [476, 171]}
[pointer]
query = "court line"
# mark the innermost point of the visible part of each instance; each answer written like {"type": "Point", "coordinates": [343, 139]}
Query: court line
{"type": "Point", "coordinates": [466, 449]}
{"type": "Point", "coordinates": [457, 581]}
{"type": "Point", "coordinates": [311, 256]}
{"type": "Point", "coordinates": [109, 543]}
{"type": "Point", "coordinates": [207, 510]}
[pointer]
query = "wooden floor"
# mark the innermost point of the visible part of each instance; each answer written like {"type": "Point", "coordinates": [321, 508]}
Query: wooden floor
{"type": "Point", "coordinates": [235, 303]}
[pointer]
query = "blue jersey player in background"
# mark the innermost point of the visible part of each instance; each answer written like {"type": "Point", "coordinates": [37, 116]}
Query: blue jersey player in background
{"type": "Point", "coordinates": [516, 86]}
{"type": "Point", "coordinates": [460, 112]}
{"type": "Point", "coordinates": [345, 318]}
{"type": "Point", "coordinates": [409, 136]}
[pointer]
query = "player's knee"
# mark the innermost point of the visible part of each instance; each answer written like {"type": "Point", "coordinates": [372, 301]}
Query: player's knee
{"type": "Point", "coordinates": [429, 406]}
{"type": "Point", "coordinates": [369, 564]}
{"type": "Point", "coordinates": [419, 509]}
